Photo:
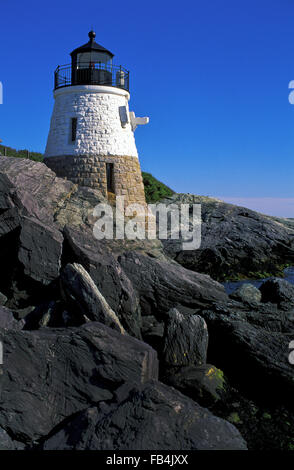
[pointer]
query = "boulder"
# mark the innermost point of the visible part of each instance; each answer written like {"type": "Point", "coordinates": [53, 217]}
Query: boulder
{"type": "Point", "coordinates": [81, 247]}
{"type": "Point", "coordinates": [50, 374]}
{"type": "Point", "coordinates": [9, 243]}
{"type": "Point", "coordinates": [83, 296]}
{"type": "Point", "coordinates": [40, 250]}
{"type": "Point", "coordinates": [204, 384]}
{"type": "Point", "coordinates": [6, 443]}
{"type": "Point", "coordinates": [163, 285]}
{"type": "Point", "coordinates": [247, 293]}
{"type": "Point", "coordinates": [7, 320]}
{"type": "Point", "coordinates": [236, 241]}
{"type": "Point", "coordinates": [185, 340]}
{"type": "Point", "coordinates": [34, 207]}
{"type": "Point", "coordinates": [3, 299]}
{"type": "Point", "coordinates": [35, 191]}
{"type": "Point", "coordinates": [278, 291]}
{"type": "Point", "coordinates": [150, 417]}
{"type": "Point", "coordinates": [31, 188]}
{"type": "Point", "coordinates": [254, 356]}
{"type": "Point", "coordinates": [9, 221]}
{"type": "Point", "coordinates": [152, 331]}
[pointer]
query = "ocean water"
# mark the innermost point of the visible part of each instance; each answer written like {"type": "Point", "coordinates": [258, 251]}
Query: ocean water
{"type": "Point", "coordinates": [230, 286]}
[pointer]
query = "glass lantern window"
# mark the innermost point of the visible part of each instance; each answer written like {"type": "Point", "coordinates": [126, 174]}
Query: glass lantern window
{"type": "Point", "coordinates": [88, 59]}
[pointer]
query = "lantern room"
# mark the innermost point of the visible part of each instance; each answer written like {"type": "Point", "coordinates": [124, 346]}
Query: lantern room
{"type": "Point", "coordinates": [91, 64]}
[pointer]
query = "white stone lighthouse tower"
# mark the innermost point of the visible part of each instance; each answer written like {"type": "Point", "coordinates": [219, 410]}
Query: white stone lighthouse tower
{"type": "Point", "coordinates": [91, 138]}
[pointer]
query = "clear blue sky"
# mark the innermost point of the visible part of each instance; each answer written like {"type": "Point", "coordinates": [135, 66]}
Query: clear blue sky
{"type": "Point", "coordinates": [212, 75]}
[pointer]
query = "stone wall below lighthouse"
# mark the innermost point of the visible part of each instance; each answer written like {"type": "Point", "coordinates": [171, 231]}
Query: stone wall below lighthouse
{"type": "Point", "coordinates": [90, 170]}
{"type": "Point", "coordinates": [103, 141]}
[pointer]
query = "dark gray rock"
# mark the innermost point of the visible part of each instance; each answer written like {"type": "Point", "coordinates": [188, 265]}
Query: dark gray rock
{"type": "Point", "coordinates": [9, 244]}
{"type": "Point", "coordinates": [82, 295]}
{"type": "Point", "coordinates": [50, 374]}
{"type": "Point", "coordinates": [40, 250]}
{"type": "Point", "coordinates": [270, 322]}
{"type": "Point", "coordinates": [185, 340]}
{"type": "Point", "coordinates": [256, 357]}
{"type": "Point", "coordinates": [204, 384]}
{"type": "Point", "coordinates": [151, 417]}
{"type": "Point", "coordinates": [34, 207]}
{"type": "Point", "coordinates": [235, 241]}
{"type": "Point", "coordinates": [278, 291]}
{"type": "Point", "coordinates": [151, 327]}
{"type": "Point", "coordinates": [9, 221]}
{"type": "Point", "coordinates": [3, 299]}
{"type": "Point", "coordinates": [22, 313]}
{"type": "Point", "coordinates": [35, 191]}
{"type": "Point", "coordinates": [48, 314]}
{"type": "Point", "coordinates": [7, 320]}
{"type": "Point", "coordinates": [6, 443]}
{"type": "Point", "coordinates": [81, 247]}
{"type": "Point", "coordinates": [163, 285]}
{"type": "Point", "coordinates": [247, 293]}
{"type": "Point", "coordinates": [153, 332]}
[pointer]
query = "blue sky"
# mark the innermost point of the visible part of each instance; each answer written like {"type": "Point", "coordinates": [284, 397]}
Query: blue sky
{"type": "Point", "coordinates": [212, 76]}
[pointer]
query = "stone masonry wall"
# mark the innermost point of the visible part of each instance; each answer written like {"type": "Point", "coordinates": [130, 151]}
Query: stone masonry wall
{"type": "Point", "coordinates": [91, 171]}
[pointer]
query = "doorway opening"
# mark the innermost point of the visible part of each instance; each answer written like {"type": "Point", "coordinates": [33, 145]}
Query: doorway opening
{"type": "Point", "coordinates": [110, 177]}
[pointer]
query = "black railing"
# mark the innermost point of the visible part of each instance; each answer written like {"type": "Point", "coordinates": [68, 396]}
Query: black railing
{"type": "Point", "coordinates": [91, 74]}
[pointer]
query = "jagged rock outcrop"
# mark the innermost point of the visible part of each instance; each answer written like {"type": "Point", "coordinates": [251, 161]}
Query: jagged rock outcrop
{"type": "Point", "coordinates": [252, 347]}
{"type": "Point", "coordinates": [6, 443]}
{"type": "Point", "coordinates": [83, 296]}
{"type": "Point", "coordinates": [81, 247]}
{"type": "Point", "coordinates": [205, 383]}
{"type": "Point", "coordinates": [34, 190]}
{"type": "Point", "coordinates": [153, 417]}
{"type": "Point", "coordinates": [50, 374]}
{"type": "Point", "coordinates": [3, 299]}
{"type": "Point", "coordinates": [278, 291]}
{"type": "Point", "coordinates": [61, 373]}
{"type": "Point", "coordinates": [34, 207]}
{"type": "Point", "coordinates": [163, 285]}
{"type": "Point", "coordinates": [185, 340]}
{"type": "Point", "coordinates": [236, 242]}
{"type": "Point", "coordinates": [40, 250]}
{"type": "Point", "coordinates": [7, 320]}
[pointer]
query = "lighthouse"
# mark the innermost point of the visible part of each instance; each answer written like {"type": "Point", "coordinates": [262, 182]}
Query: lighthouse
{"type": "Point", "coordinates": [91, 138]}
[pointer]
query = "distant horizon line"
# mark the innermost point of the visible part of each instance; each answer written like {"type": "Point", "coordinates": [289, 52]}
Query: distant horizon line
{"type": "Point", "coordinates": [274, 206]}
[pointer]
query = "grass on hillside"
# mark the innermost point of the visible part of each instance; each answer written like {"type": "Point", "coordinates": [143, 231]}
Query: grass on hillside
{"type": "Point", "coordinates": [11, 152]}
{"type": "Point", "coordinates": [154, 189]}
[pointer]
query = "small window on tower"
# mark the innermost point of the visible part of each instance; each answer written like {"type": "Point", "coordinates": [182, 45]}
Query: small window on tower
{"type": "Point", "coordinates": [73, 129]}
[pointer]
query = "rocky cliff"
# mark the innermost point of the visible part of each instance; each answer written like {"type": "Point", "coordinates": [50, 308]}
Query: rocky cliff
{"type": "Point", "coordinates": [114, 345]}
{"type": "Point", "coordinates": [236, 242]}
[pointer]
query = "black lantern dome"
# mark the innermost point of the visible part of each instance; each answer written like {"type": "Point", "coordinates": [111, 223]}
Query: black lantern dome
{"type": "Point", "coordinates": [91, 52]}
{"type": "Point", "coordinates": [91, 64]}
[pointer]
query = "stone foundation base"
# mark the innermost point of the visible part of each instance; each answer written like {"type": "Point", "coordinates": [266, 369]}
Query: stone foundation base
{"type": "Point", "coordinates": [91, 171]}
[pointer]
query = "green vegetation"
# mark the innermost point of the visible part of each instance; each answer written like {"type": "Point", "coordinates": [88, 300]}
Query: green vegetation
{"type": "Point", "coordinates": [11, 152]}
{"type": "Point", "coordinates": [154, 189]}
{"type": "Point", "coordinates": [234, 418]}
{"type": "Point", "coordinates": [277, 271]}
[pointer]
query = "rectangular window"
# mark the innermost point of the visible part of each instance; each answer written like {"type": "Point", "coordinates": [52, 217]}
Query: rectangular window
{"type": "Point", "coordinates": [73, 129]}
{"type": "Point", "coordinates": [110, 177]}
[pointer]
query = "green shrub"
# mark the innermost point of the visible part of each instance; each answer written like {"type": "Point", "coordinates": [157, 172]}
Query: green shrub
{"type": "Point", "coordinates": [154, 189]}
